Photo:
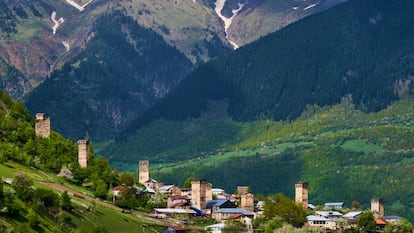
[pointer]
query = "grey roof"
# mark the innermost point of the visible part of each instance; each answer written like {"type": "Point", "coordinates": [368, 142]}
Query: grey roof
{"type": "Point", "coordinates": [317, 218]}
{"type": "Point", "coordinates": [166, 187]}
{"type": "Point", "coordinates": [311, 206]}
{"type": "Point", "coordinates": [328, 213]}
{"type": "Point", "coordinates": [391, 217]}
{"type": "Point", "coordinates": [352, 214]}
{"type": "Point", "coordinates": [334, 204]}
{"type": "Point", "coordinates": [260, 203]}
{"type": "Point", "coordinates": [234, 211]}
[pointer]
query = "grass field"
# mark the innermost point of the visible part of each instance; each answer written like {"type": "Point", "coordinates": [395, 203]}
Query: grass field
{"type": "Point", "coordinates": [80, 217]}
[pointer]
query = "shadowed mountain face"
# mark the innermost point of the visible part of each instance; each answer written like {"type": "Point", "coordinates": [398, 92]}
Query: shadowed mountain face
{"type": "Point", "coordinates": [361, 50]}
{"type": "Point", "coordinates": [123, 71]}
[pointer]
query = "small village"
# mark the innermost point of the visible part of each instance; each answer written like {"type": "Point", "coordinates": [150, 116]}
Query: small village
{"type": "Point", "coordinates": [203, 200]}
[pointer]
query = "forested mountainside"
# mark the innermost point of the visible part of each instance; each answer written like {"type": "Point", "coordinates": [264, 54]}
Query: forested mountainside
{"type": "Point", "coordinates": [361, 49]}
{"type": "Point", "coordinates": [124, 70]}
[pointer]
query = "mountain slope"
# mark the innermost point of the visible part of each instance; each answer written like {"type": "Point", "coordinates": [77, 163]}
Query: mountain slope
{"type": "Point", "coordinates": [259, 18]}
{"type": "Point", "coordinates": [39, 38]}
{"type": "Point", "coordinates": [367, 55]}
{"type": "Point", "coordinates": [123, 71]}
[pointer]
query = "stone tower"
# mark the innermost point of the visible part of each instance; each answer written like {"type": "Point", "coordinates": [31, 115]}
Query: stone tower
{"type": "Point", "coordinates": [242, 190]}
{"type": "Point", "coordinates": [201, 193]}
{"type": "Point", "coordinates": [83, 153]}
{"type": "Point", "coordinates": [143, 171]}
{"type": "Point", "coordinates": [377, 207]}
{"type": "Point", "coordinates": [301, 194]}
{"type": "Point", "coordinates": [42, 125]}
{"type": "Point", "coordinates": [247, 202]}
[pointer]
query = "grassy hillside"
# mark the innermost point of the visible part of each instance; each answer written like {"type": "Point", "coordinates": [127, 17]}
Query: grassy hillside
{"type": "Point", "coordinates": [85, 217]}
{"type": "Point", "coordinates": [31, 198]}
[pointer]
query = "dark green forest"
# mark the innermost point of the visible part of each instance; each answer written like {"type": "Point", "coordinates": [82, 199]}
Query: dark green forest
{"type": "Point", "coordinates": [361, 49]}
{"type": "Point", "coordinates": [124, 70]}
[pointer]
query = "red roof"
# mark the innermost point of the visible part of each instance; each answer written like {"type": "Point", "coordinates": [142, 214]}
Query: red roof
{"type": "Point", "coordinates": [176, 197]}
{"type": "Point", "coordinates": [380, 221]}
{"type": "Point", "coordinates": [178, 228]}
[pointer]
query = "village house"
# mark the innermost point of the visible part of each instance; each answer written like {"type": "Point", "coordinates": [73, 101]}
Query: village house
{"type": "Point", "coordinates": [329, 214]}
{"type": "Point", "coordinates": [320, 222]}
{"type": "Point", "coordinates": [169, 190]}
{"type": "Point", "coordinates": [219, 193]}
{"type": "Point", "coordinates": [215, 205]}
{"type": "Point", "coordinates": [226, 213]}
{"type": "Point", "coordinates": [117, 190]}
{"type": "Point", "coordinates": [177, 201]}
{"type": "Point", "coordinates": [352, 217]}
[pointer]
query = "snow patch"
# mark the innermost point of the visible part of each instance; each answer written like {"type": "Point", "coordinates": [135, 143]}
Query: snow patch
{"type": "Point", "coordinates": [308, 7]}
{"type": "Point", "coordinates": [66, 44]}
{"type": "Point", "coordinates": [56, 22]}
{"type": "Point", "coordinates": [227, 21]}
{"type": "Point", "coordinates": [77, 6]}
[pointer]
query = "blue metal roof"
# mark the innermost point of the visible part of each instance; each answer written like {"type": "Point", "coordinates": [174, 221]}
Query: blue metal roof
{"type": "Point", "coordinates": [215, 203]}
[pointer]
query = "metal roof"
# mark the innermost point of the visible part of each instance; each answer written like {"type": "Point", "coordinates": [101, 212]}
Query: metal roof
{"type": "Point", "coordinates": [166, 187]}
{"type": "Point", "coordinates": [317, 218]}
{"type": "Point", "coordinates": [174, 211]}
{"type": "Point", "coordinates": [328, 213]}
{"type": "Point", "coordinates": [234, 211]}
{"type": "Point", "coordinates": [352, 214]}
{"type": "Point", "coordinates": [215, 203]}
{"type": "Point", "coordinates": [334, 204]}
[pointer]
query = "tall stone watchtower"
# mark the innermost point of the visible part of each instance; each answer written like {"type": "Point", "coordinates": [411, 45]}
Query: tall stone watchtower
{"type": "Point", "coordinates": [201, 193]}
{"type": "Point", "coordinates": [83, 153]}
{"type": "Point", "coordinates": [377, 207]}
{"type": "Point", "coordinates": [42, 125]}
{"type": "Point", "coordinates": [143, 171]}
{"type": "Point", "coordinates": [301, 194]}
{"type": "Point", "coordinates": [247, 202]}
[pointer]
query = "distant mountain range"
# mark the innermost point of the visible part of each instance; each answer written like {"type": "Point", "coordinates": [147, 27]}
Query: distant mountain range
{"type": "Point", "coordinates": [39, 38]}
